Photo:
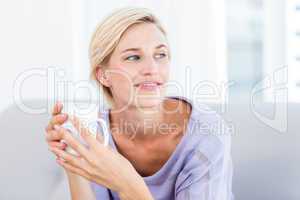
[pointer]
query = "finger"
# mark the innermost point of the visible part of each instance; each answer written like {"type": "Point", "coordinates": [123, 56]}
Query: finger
{"type": "Point", "coordinates": [53, 135]}
{"type": "Point", "coordinates": [67, 157]}
{"type": "Point", "coordinates": [59, 145]}
{"type": "Point", "coordinates": [73, 143]}
{"type": "Point", "coordinates": [57, 108]}
{"type": "Point", "coordinates": [84, 132]}
{"type": "Point", "coordinates": [73, 169]}
{"type": "Point", "coordinates": [57, 119]}
{"type": "Point", "coordinates": [72, 160]}
{"type": "Point", "coordinates": [90, 139]}
{"type": "Point", "coordinates": [76, 122]}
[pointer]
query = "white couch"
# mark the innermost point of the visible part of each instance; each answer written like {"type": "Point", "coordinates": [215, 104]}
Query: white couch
{"type": "Point", "coordinates": [266, 163]}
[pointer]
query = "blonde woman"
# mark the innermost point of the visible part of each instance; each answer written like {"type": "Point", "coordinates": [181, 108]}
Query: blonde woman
{"type": "Point", "coordinates": [160, 147]}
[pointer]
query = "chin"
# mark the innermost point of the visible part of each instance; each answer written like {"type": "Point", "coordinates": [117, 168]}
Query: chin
{"type": "Point", "coordinates": [148, 101]}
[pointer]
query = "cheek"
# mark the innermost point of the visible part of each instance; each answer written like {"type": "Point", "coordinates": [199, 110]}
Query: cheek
{"type": "Point", "coordinates": [120, 75]}
{"type": "Point", "coordinates": [122, 82]}
{"type": "Point", "coordinates": [165, 72]}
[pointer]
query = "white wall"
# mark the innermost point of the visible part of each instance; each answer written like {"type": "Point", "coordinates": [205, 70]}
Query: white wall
{"type": "Point", "coordinates": [274, 35]}
{"type": "Point", "coordinates": [281, 47]}
{"type": "Point", "coordinates": [34, 34]}
{"type": "Point", "coordinates": [292, 38]}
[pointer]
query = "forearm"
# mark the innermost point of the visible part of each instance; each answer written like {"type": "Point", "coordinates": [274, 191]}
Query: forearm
{"type": "Point", "coordinates": [136, 190]}
{"type": "Point", "coordinates": [80, 187]}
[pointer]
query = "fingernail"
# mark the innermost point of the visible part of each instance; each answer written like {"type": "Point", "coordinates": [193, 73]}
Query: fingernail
{"type": "Point", "coordinates": [56, 127]}
{"type": "Point", "coordinates": [58, 103]}
{"type": "Point", "coordinates": [64, 146]}
{"type": "Point", "coordinates": [64, 114]}
{"type": "Point", "coordinates": [84, 134]}
{"type": "Point", "coordinates": [60, 160]}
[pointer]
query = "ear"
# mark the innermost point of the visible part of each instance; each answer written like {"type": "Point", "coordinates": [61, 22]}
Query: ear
{"type": "Point", "coordinates": [102, 77]}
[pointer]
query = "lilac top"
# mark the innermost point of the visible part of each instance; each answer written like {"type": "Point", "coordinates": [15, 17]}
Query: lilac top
{"type": "Point", "coordinates": [200, 166]}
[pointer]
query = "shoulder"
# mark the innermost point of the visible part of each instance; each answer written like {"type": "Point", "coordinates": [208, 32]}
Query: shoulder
{"type": "Point", "coordinates": [209, 139]}
{"type": "Point", "coordinates": [208, 126]}
{"type": "Point", "coordinates": [207, 131]}
{"type": "Point", "coordinates": [210, 149]}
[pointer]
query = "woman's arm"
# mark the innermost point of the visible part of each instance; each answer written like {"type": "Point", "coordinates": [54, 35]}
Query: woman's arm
{"type": "Point", "coordinates": [136, 189]}
{"type": "Point", "coordinates": [79, 187]}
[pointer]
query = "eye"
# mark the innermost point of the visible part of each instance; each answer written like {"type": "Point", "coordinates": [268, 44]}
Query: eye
{"type": "Point", "coordinates": [160, 55]}
{"type": "Point", "coordinates": [133, 58]}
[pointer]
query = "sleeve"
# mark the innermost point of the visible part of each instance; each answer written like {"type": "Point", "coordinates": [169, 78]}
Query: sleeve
{"type": "Point", "coordinates": [208, 173]}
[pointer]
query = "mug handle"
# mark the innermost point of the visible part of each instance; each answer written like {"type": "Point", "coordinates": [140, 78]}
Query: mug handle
{"type": "Point", "coordinates": [105, 130]}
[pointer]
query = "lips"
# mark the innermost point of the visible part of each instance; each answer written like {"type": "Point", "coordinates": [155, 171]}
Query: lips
{"type": "Point", "coordinates": [148, 83]}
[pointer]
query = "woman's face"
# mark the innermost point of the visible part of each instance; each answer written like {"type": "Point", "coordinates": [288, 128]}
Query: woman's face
{"type": "Point", "coordinates": [139, 67]}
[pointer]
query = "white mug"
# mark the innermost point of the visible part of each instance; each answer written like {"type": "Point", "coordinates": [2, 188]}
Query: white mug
{"type": "Point", "coordinates": [89, 117]}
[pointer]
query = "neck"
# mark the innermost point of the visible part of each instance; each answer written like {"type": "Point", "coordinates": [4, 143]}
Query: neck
{"type": "Point", "coordinates": [142, 124]}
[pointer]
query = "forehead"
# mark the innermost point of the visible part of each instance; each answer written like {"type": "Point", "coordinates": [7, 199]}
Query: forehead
{"type": "Point", "coordinates": [140, 36]}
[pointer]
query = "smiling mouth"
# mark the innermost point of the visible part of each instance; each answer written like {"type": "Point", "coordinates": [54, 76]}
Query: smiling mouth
{"type": "Point", "coordinates": [148, 85]}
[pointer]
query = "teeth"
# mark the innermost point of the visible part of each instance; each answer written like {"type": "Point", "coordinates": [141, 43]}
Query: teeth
{"type": "Point", "coordinates": [148, 83]}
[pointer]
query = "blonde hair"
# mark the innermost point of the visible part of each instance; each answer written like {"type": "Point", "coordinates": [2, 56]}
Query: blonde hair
{"type": "Point", "coordinates": [108, 34]}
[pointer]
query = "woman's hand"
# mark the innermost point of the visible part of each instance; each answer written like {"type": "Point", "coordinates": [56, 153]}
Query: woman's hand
{"type": "Point", "coordinates": [98, 163]}
{"type": "Point", "coordinates": [52, 137]}
{"type": "Point", "coordinates": [79, 187]}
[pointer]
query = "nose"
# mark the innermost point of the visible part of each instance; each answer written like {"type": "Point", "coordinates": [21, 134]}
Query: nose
{"type": "Point", "coordinates": [150, 67]}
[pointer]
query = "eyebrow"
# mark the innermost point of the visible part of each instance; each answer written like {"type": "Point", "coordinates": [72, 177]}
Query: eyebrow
{"type": "Point", "coordinates": [137, 49]}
